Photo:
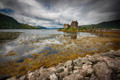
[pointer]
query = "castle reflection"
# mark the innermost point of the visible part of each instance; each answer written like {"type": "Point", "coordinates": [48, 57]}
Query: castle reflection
{"type": "Point", "coordinates": [72, 35]}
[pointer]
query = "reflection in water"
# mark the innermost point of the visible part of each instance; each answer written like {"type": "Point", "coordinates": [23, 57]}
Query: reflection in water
{"type": "Point", "coordinates": [100, 34]}
{"type": "Point", "coordinates": [71, 35]}
{"type": "Point", "coordinates": [24, 43]}
{"type": "Point", "coordinates": [49, 47]}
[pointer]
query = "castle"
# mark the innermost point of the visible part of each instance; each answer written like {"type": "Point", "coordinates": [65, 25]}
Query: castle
{"type": "Point", "coordinates": [74, 24]}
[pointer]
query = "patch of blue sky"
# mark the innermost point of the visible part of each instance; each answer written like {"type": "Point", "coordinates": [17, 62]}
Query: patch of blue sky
{"type": "Point", "coordinates": [7, 10]}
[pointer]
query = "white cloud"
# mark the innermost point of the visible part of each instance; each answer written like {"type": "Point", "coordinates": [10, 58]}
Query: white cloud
{"type": "Point", "coordinates": [51, 13]}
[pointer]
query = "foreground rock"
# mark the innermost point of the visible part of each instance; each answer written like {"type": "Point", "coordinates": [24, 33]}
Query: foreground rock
{"type": "Point", "coordinates": [102, 66]}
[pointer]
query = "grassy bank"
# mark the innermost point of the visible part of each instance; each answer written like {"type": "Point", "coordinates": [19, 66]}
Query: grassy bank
{"type": "Point", "coordinates": [75, 30]}
{"type": "Point", "coordinates": [90, 29]}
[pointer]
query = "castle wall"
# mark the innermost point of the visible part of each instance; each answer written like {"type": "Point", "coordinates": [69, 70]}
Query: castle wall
{"type": "Point", "coordinates": [66, 26]}
{"type": "Point", "coordinates": [74, 24]}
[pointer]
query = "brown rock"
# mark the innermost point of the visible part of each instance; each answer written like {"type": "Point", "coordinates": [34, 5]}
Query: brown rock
{"type": "Point", "coordinates": [77, 62]}
{"type": "Point", "coordinates": [93, 77]}
{"type": "Point", "coordinates": [68, 63]}
{"type": "Point", "coordinates": [45, 75]}
{"type": "Point", "coordinates": [76, 71]}
{"type": "Point", "coordinates": [53, 77]}
{"type": "Point", "coordinates": [87, 68]}
{"type": "Point", "coordinates": [102, 71]}
{"type": "Point", "coordinates": [74, 77]}
{"type": "Point", "coordinates": [118, 75]}
{"type": "Point", "coordinates": [63, 74]}
{"type": "Point", "coordinates": [32, 76]}
{"type": "Point", "coordinates": [117, 53]}
{"type": "Point", "coordinates": [83, 72]}
{"type": "Point", "coordinates": [23, 78]}
{"type": "Point", "coordinates": [43, 69]}
{"type": "Point", "coordinates": [85, 61]}
{"type": "Point", "coordinates": [13, 78]}
{"type": "Point", "coordinates": [4, 77]}
{"type": "Point", "coordinates": [59, 70]}
{"type": "Point", "coordinates": [113, 63]}
{"type": "Point", "coordinates": [60, 65]}
{"type": "Point", "coordinates": [51, 69]}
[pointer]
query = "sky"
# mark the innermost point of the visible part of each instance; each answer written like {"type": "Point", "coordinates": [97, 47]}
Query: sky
{"type": "Point", "coordinates": [55, 13]}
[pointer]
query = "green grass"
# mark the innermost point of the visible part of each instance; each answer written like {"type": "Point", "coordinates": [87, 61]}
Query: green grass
{"type": "Point", "coordinates": [72, 29]}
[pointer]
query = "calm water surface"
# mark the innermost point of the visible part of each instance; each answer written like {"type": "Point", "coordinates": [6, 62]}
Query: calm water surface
{"type": "Point", "coordinates": [27, 42]}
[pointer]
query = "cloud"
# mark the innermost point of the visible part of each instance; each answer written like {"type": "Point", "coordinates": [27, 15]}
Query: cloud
{"type": "Point", "coordinates": [54, 13]}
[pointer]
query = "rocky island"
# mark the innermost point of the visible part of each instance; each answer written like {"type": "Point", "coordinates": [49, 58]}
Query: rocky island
{"type": "Point", "coordinates": [110, 26]}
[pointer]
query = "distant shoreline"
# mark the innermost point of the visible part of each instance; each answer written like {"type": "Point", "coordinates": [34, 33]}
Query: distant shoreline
{"type": "Point", "coordinates": [91, 30]}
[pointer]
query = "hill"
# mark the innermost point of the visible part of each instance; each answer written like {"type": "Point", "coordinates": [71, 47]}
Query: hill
{"type": "Point", "coordinates": [41, 27]}
{"type": "Point", "coordinates": [7, 22]}
{"type": "Point", "coordinates": [108, 24]}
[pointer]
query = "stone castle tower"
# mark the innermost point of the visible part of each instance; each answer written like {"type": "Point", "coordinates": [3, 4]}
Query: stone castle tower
{"type": "Point", "coordinates": [66, 26]}
{"type": "Point", "coordinates": [74, 24]}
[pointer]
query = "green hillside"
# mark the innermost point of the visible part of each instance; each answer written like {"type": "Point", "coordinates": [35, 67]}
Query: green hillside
{"type": "Point", "coordinates": [108, 24]}
{"type": "Point", "coordinates": [7, 22]}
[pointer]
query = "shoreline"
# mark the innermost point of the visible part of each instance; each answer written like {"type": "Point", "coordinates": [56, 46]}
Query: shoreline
{"type": "Point", "coordinates": [104, 66]}
{"type": "Point", "coordinates": [92, 30]}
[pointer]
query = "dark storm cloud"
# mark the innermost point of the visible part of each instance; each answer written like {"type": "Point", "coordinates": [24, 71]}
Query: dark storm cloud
{"type": "Point", "coordinates": [51, 13]}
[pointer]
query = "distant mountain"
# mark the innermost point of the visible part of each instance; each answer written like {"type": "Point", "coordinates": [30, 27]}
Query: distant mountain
{"type": "Point", "coordinates": [108, 24]}
{"type": "Point", "coordinates": [41, 27]}
{"type": "Point", "coordinates": [7, 22]}
{"type": "Point", "coordinates": [53, 28]}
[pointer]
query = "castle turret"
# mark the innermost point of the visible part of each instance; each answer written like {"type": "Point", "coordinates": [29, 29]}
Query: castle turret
{"type": "Point", "coordinates": [74, 24]}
